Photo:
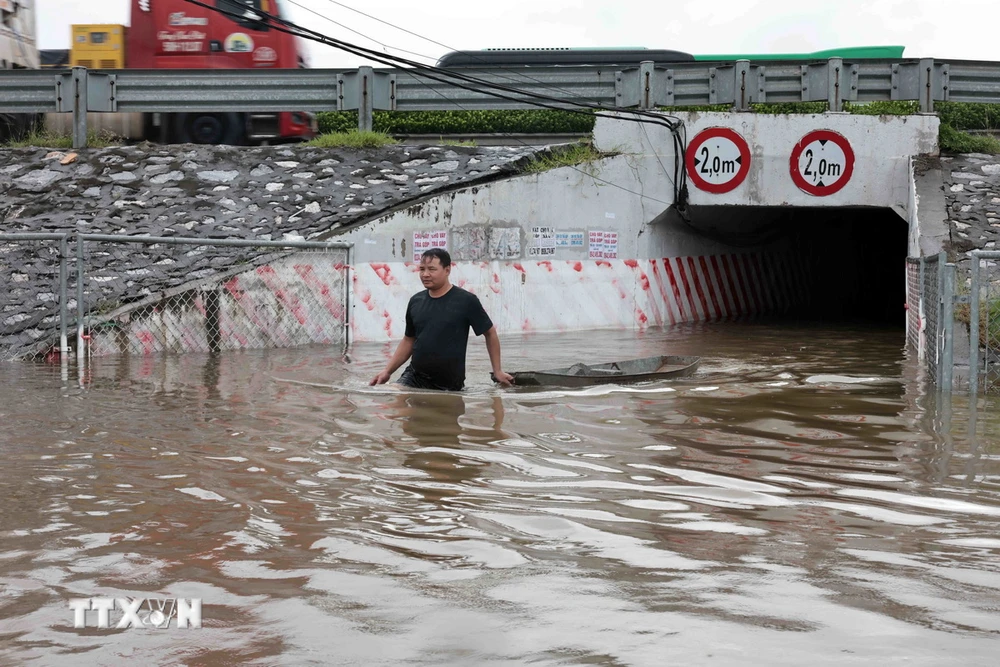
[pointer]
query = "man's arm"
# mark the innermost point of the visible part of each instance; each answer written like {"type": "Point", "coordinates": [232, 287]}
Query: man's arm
{"type": "Point", "coordinates": [493, 347]}
{"type": "Point", "coordinates": [399, 357]}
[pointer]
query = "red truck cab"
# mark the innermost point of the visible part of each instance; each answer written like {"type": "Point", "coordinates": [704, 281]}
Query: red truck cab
{"type": "Point", "coordinates": [174, 34]}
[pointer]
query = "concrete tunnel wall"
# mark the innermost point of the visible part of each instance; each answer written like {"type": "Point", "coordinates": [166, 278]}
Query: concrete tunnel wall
{"type": "Point", "coordinates": [594, 247]}
{"type": "Point", "coordinates": [656, 270]}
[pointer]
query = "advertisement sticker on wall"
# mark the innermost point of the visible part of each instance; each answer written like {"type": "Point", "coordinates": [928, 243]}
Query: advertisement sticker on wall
{"type": "Point", "coordinates": [543, 242]}
{"type": "Point", "coordinates": [569, 239]}
{"type": "Point", "coordinates": [603, 245]}
{"type": "Point", "coordinates": [426, 240]}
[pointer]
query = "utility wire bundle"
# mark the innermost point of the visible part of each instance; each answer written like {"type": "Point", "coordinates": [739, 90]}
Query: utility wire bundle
{"type": "Point", "coordinates": [483, 87]}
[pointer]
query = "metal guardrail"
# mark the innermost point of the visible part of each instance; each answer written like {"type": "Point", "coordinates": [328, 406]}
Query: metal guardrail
{"type": "Point", "coordinates": [31, 91]}
{"type": "Point", "coordinates": [646, 86]}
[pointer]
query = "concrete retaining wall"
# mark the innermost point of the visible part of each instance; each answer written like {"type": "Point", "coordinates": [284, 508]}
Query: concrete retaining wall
{"type": "Point", "coordinates": [561, 295]}
{"type": "Point", "coordinates": [194, 192]}
{"type": "Point", "coordinates": [661, 270]}
{"type": "Point", "coordinates": [590, 246]}
{"type": "Point", "coordinates": [882, 147]}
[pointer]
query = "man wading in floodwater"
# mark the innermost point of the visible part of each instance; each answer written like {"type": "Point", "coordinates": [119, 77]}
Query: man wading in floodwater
{"type": "Point", "coordinates": [437, 331]}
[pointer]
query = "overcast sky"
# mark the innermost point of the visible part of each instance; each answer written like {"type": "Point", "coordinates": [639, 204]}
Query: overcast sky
{"type": "Point", "coordinates": [966, 29]}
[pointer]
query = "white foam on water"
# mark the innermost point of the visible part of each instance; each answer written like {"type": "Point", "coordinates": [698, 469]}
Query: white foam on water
{"type": "Point", "coordinates": [845, 379]}
{"type": "Point", "coordinates": [720, 527]}
{"type": "Point", "coordinates": [599, 390]}
{"type": "Point", "coordinates": [977, 542]}
{"type": "Point", "coordinates": [516, 392]}
{"type": "Point", "coordinates": [201, 493]}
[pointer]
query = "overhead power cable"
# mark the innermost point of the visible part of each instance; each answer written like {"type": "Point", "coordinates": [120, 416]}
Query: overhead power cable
{"type": "Point", "coordinates": [434, 73]}
{"type": "Point", "coordinates": [441, 75]}
{"type": "Point", "coordinates": [515, 73]}
{"type": "Point", "coordinates": [520, 75]}
{"type": "Point", "coordinates": [349, 29]}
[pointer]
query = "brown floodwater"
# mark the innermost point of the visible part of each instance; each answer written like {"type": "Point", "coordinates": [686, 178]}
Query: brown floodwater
{"type": "Point", "coordinates": [801, 500]}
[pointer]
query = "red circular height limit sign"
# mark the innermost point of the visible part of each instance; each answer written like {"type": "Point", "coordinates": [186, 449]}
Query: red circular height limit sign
{"type": "Point", "coordinates": [718, 160]}
{"type": "Point", "coordinates": [822, 162]}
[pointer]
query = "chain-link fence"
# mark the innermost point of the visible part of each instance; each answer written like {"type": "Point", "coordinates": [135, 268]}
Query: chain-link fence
{"type": "Point", "coordinates": [984, 322]}
{"type": "Point", "coordinates": [143, 295]}
{"type": "Point", "coordinates": [34, 301]}
{"type": "Point", "coordinates": [914, 288]}
{"type": "Point", "coordinates": [930, 300]}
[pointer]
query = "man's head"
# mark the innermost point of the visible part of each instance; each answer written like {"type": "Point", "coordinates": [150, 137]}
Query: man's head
{"type": "Point", "coordinates": [435, 268]}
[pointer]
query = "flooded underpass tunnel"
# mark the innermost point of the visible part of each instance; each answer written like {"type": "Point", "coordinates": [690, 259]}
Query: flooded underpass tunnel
{"type": "Point", "coordinates": [845, 265]}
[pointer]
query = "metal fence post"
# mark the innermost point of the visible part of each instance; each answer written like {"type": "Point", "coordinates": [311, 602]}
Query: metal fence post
{"type": "Point", "coordinates": [922, 316]}
{"type": "Point", "coordinates": [646, 71]}
{"type": "Point", "coordinates": [948, 327]}
{"type": "Point", "coordinates": [63, 298]}
{"type": "Point", "coordinates": [79, 297]}
{"type": "Point", "coordinates": [835, 89]}
{"type": "Point", "coordinates": [926, 86]}
{"type": "Point", "coordinates": [974, 326]}
{"type": "Point", "coordinates": [366, 99]}
{"type": "Point", "coordinates": [79, 107]}
{"type": "Point", "coordinates": [348, 282]}
{"type": "Point", "coordinates": [742, 73]}
{"type": "Point", "coordinates": [939, 329]}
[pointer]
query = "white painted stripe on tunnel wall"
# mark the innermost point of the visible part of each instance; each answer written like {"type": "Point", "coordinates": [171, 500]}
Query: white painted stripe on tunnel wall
{"type": "Point", "coordinates": [580, 295]}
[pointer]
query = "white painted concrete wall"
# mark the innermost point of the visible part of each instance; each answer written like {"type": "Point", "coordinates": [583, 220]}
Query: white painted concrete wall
{"type": "Point", "coordinates": [882, 145]}
{"type": "Point", "coordinates": [627, 194]}
{"type": "Point", "coordinates": [661, 271]}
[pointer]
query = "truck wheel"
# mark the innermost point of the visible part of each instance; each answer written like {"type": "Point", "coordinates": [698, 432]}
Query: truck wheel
{"type": "Point", "coordinates": [209, 128]}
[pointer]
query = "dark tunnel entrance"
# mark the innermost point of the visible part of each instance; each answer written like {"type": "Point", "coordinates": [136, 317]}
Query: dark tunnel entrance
{"type": "Point", "coordinates": [852, 259]}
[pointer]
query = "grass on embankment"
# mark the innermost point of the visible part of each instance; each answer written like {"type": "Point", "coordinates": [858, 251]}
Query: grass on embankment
{"type": "Point", "coordinates": [564, 156]}
{"type": "Point", "coordinates": [989, 320]}
{"type": "Point", "coordinates": [352, 140]}
{"type": "Point", "coordinates": [43, 139]}
{"type": "Point", "coordinates": [956, 141]}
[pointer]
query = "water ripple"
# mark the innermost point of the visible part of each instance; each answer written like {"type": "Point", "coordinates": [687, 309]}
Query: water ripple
{"type": "Point", "coordinates": [809, 504]}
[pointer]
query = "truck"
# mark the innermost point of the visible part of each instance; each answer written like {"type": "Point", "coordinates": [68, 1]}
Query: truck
{"type": "Point", "coordinates": [174, 34]}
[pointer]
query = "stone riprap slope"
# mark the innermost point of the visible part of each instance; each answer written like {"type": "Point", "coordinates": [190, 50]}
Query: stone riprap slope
{"type": "Point", "coordinates": [206, 192]}
{"type": "Point", "coordinates": [972, 194]}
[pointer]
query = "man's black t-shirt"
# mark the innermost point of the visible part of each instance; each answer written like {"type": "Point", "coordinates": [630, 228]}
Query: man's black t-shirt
{"type": "Point", "coordinates": [441, 329]}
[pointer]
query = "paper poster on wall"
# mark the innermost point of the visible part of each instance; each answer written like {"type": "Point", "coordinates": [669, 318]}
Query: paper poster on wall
{"type": "Point", "coordinates": [569, 239]}
{"type": "Point", "coordinates": [426, 240]}
{"type": "Point", "coordinates": [505, 243]}
{"type": "Point", "coordinates": [468, 244]}
{"type": "Point", "coordinates": [603, 245]}
{"type": "Point", "coordinates": [543, 242]}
